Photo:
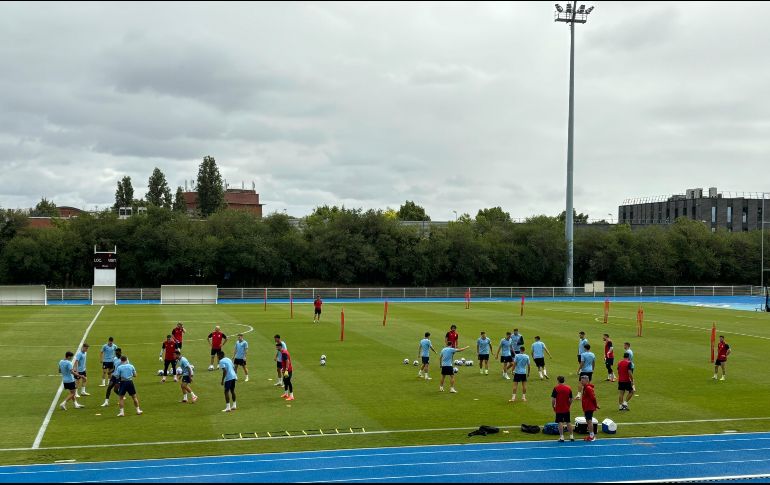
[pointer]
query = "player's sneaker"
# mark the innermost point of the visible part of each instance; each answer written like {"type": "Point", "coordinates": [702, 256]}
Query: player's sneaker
{"type": "Point", "coordinates": [175, 379]}
{"type": "Point", "coordinates": [139, 411]}
{"type": "Point", "coordinates": [723, 378]}
{"type": "Point", "coordinates": [486, 372]}
{"type": "Point", "coordinates": [279, 383]}
{"type": "Point", "coordinates": [512, 399]}
{"type": "Point", "coordinates": [441, 389]}
{"type": "Point", "coordinates": [84, 393]}
{"type": "Point", "coordinates": [505, 376]}
{"type": "Point", "coordinates": [102, 384]}
{"type": "Point", "coordinates": [63, 406]}
{"type": "Point", "coordinates": [183, 400]}
{"type": "Point", "coordinates": [78, 406]}
{"type": "Point", "coordinates": [452, 389]}
{"type": "Point", "coordinates": [589, 438]}
{"type": "Point", "coordinates": [233, 407]}
{"type": "Point", "coordinates": [524, 398]}
{"type": "Point", "coordinates": [121, 414]}
{"type": "Point", "coordinates": [247, 379]}
{"type": "Point", "coordinates": [106, 403]}
{"type": "Point", "coordinates": [226, 410]}
{"type": "Point", "coordinates": [715, 377]}
{"type": "Point", "coordinates": [572, 438]}
{"type": "Point", "coordinates": [428, 378]}
{"type": "Point", "coordinates": [285, 395]}
{"type": "Point", "coordinates": [290, 398]}
{"type": "Point", "coordinates": [561, 440]}
{"type": "Point", "coordinates": [194, 399]}
{"type": "Point", "coordinates": [546, 376]}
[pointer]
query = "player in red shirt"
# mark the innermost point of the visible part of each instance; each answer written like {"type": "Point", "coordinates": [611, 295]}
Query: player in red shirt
{"type": "Point", "coordinates": [625, 381]}
{"type": "Point", "coordinates": [723, 350]}
{"type": "Point", "coordinates": [169, 347]}
{"type": "Point", "coordinates": [217, 339]}
{"type": "Point", "coordinates": [317, 309]}
{"type": "Point", "coordinates": [589, 405]}
{"type": "Point", "coordinates": [178, 334]}
{"type": "Point", "coordinates": [286, 368]}
{"type": "Point", "coordinates": [561, 400]}
{"type": "Point", "coordinates": [452, 336]}
{"type": "Point", "coordinates": [609, 357]}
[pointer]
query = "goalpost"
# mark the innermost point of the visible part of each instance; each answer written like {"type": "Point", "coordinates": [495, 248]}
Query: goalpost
{"type": "Point", "coordinates": [103, 295]}
{"type": "Point", "coordinates": [23, 295]}
{"type": "Point", "coordinates": [188, 294]}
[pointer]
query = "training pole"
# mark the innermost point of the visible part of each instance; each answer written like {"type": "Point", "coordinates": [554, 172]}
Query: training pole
{"type": "Point", "coordinates": [521, 313]}
{"type": "Point", "coordinates": [385, 315]}
{"type": "Point", "coordinates": [713, 339]}
{"type": "Point", "coordinates": [468, 299]}
{"type": "Point", "coordinates": [342, 325]}
{"type": "Point", "coordinates": [291, 304]}
{"type": "Point", "coordinates": [606, 309]}
{"type": "Point", "coordinates": [639, 321]}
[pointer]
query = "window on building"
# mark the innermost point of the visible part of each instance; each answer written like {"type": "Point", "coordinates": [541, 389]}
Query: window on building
{"type": "Point", "coordinates": [729, 215]}
{"type": "Point", "coordinates": [684, 211]}
{"type": "Point", "coordinates": [668, 214]}
{"type": "Point", "coordinates": [745, 215]}
{"type": "Point", "coordinates": [713, 215]}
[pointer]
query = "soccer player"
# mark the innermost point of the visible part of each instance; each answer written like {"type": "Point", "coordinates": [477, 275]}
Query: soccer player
{"type": "Point", "coordinates": [217, 339]}
{"type": "Point", "coordinates": [446, 365]}
{"type": "Point", "coordinates": [483, 348]}
{"type": "Point", "coordinates": [68, 374]}
{"type": "Point", "coordinates": [627, 349]}
{"type": "Point", "coordinates": [582, 342]}
{"type": "Point", "coordinates": [178, 333]}
{"type": "Point", "coordinates": [424, 352]}
{"type": "Point", "coordinates": [589, 405]}
{"type": "Point", "coordinates": [187, 375]}
{"type": "Point", "coordinates": [452, 336]}
{"type": "Point", "coordinates": [317, 304]}
{"type": "Point", "coordinates": [286, 370]}
{"type": "Point", "coordinates": [80, 366]}
{"type": "Point", "coordinates": [107, 355]}
{"type": "Point", "coordinates": [538, 355]}
{"type": "Point", "coordinates": [168, 347]}
{"type": "Point", "coordinates": [609, 357]}
{"type": "Point", "coordinates": [561, 400]}
{"type": "Point", "coordinates": [625, 381]}
{"type": "Point", "coordinates": [506, 359]}
{"type": "Point", "coordinates": [517, 340]}
{"type": "Point", "coordinates": [723, 350]}
{"type": "Point", "coordinates": [126, 373]}
{"type": "Point", "coordinates": [586, 368]}
{"type": "Point", "coordinates": [239, 355]}
{"type": "Point", "coordinates": [114, 384]}
{"type": "Point", "coordinates": [520, 374]}
{"type": "Point", "coordinates": [279, 365]}
{"type": "Point", "coordinates": [228, 380]}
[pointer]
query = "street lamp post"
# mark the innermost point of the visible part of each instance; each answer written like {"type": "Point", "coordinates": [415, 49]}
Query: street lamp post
{"type": "Point", "coordinates": [571, 14]}
{"type": "Point", "coordinates": [455, 215]}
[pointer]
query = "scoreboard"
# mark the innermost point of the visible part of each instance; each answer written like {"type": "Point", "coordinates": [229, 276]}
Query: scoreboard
{"type": "Point", "coordinates": [105, 261]}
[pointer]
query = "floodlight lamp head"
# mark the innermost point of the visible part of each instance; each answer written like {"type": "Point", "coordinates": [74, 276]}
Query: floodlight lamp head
{"type": "Point", "coordinates": [582, 8]}
{"type": "Point", "coordinates": [569, 7]}
{"type": "Point", "coordinates": [590, 9]}
{"type": "Point", "coordinates": [559, 8]}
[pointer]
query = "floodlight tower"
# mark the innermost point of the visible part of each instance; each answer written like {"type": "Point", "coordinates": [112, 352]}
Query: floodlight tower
{"type": "Point", "coordinates": [570, 14]}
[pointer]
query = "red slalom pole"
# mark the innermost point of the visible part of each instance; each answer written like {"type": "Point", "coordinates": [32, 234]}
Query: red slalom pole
{"type": "Point", "coordinates": [521, 314]}
{"type": "Point", "coordinates": [606, 309]}
{"type": "Point", "coordinates": [385, 315]}
{"type": "Point", "coordinates": [265, 299]}
{"type": "Point", "coordinates": [713, 339]}
{"type": "Point", "coordinates": [342, 325]}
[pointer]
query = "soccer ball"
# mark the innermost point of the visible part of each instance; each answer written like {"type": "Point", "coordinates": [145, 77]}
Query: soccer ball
{"type": "Point", "coordinates": [323, 361]}
{"type": "Point", "coordinates": [211, 367]}
{"type": "Point", "coordinates": [457, 362]}
{"type": "Point", "coordinates": [323, 356]}
{"type": "Point", "coordinates": [456, 370]}
{"type": "Point", "coordinates": [160, 372]}
{"type": "Point", "coordinates": [462, 361]}
{"type": "Point", "coordinates": [468, 363]}
{"type": "Point", "coordinates": [179, 371]}
{"type": "Point", "coordinates": [415, 363]}
{"type": "Point", "coordinates": [406, 361]}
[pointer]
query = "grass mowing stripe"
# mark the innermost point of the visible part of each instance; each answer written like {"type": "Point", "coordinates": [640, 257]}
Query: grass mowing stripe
{"type": "Point", "coordinates": [44, 426]}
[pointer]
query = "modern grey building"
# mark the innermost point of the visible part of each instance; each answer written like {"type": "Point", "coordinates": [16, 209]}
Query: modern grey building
{"type": "Point", "coordinates": [733, 211]}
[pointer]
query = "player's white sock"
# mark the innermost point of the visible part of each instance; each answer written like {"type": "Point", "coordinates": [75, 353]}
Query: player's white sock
{"type": "Point", "coordinates": [540, 373]}
{"type": "Point", "coordinates": [715, 376]}
{"type": "Point", "coordinates": [235, 406]}
{"type": "Point", "coordinates": [138, 411]}
{"type": "Point", "coordinates": [247, 378]}
{"type": "Point", "coordinates": [523, 397]}
{"type": "Point", "coordinates": [103, 384]}
{"type": "Point", "coordinates": [184, 396]}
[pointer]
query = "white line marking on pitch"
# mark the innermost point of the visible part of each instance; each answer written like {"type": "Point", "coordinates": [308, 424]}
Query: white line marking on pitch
{"type": "Point", "coordinates": [44, 426]}
{"type": "Point", "coordinates": [700, 479]}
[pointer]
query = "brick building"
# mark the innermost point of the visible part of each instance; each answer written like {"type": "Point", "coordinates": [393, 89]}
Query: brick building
{"type": "Point", "coordinates": [240, 199]}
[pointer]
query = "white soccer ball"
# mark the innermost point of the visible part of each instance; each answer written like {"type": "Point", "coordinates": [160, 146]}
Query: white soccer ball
{"type": "Point", "coordinates": [179, 371]}
{"type": "Point", "coordinates": [456, 370]}
{"type": "Point", "coordinates": [323, 356]}
{"type": "Point", "coordinates": [468, 363]}
{"type": "Point", "coordinates": [323, 361]}
{"type": "Point", "coordinates": [406, 361]}
{"type": "Point", "coordinates": [415, 363]}
{"type": "Point", "coordinates": [457, 362]}
{"type": "Point", "coordinates": [211, 367]}
{"type": "Point", "coordinates": [160, 372]}
{"type": "Point", "coordinates": [462, 361]}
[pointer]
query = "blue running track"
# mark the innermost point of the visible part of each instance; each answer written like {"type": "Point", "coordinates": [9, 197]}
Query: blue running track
{"type": "Point", "coordinates": [714, 457]}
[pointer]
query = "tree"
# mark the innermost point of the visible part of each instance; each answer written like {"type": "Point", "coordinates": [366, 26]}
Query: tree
{"type": "Point", "coordinates": [124, 195]}
{"type": "Point", "coordinates": [45, 208]}
{"type": "Point", "coordinates": [179, 203]}
{"type": "Point", "coordinates": [412, 212]}
{"type": "Point", "coordinates": [211, 192]}
{"type": "Point", "coordinates": [158, 193]}
{"type": "Point", "coordinates": [577, 218]}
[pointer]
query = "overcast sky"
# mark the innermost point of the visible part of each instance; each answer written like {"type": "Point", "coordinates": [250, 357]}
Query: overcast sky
{"type": "Point", "coordinates": [454, 106]}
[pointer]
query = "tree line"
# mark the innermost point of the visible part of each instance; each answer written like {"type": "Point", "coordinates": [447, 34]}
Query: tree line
{"type": "Point", "coordinates": [351, 247]}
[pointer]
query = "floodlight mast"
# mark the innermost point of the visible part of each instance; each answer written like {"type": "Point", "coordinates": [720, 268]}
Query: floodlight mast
{"type": "Point", "coordinates": [571, 15]}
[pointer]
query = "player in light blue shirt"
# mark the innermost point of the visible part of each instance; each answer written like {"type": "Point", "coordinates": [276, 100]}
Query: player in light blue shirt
{"type": "Point", "coordinates": [106, 356]}
{"type": "Point", "coordinates": [447, 355]}
{"type": "Point", "coordinates": [279, 360]}
{"type": "Point", "coordinates": [520, 373]}
{"type": "Point", "coordinates": [80, 365]}
{"type": "Point", "coordinates": [125, 373]}
{"type": "Point", "coordinates": [68, 374]}
{"type": "Point", "coordinates": [229, 377]}
{"type": "Point", "coordinates": [582, 342]}
{"type": "Point", "coordinates": [424, 353]}
{"type": "Point", "coordinates": [187, 376]}
{"type": "Point", "coordinates": [483, 349]}
{"type": "Point", "coordinates": [538, 355]}
{"type": "Point", "coordinates": [517, 340]}
{"type": "Point", "coordinates": [239, 355]}
{"type": "Point", "coordinates": [586, 368]}
{"type": "Point", "coordinates": [506, 359]}
{"type": "Point", "coordinates": [114, 383]}
{"type": "Point", "coordinates": [627, 348]}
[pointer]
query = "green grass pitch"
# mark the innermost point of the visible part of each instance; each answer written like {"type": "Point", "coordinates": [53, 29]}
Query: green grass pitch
{"type": "Point", "coordinates": [364, 383]}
